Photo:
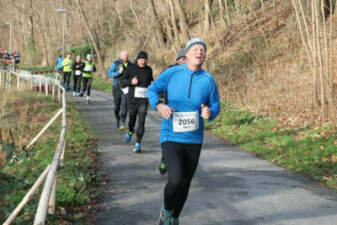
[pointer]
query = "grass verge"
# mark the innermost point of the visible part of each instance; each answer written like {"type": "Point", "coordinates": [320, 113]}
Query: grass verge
{"type": "Point", "coordinates": [22, 167]}
{"type": "Point", "coordinates": [102, 85]}
{"type": "Point", "coordinates": [307, 150]}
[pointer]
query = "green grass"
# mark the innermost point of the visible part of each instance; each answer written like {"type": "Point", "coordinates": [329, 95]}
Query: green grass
{"type": "Point", "coordinates": [309, 151]}
{"type": "Point", "coordinates": [36, 68]}
{"type": "Point", "coordinates": [24, 166]}
{"type": "Point", "coordinates": [100, 84]}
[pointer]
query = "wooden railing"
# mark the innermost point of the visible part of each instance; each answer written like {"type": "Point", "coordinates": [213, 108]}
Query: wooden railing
{"type": "Point", "coordinates": [47, 198]}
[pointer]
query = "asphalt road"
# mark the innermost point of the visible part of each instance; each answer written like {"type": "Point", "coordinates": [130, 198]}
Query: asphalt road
{"type": "Point", "coordinates": [230, 187]}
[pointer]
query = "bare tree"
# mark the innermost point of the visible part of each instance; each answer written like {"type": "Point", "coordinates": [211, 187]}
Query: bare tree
{"type": "Point", "coordinates": [93, 40]}
{"type": "Point", "coordinates": [157, 25]}
{"type": "Point", "coordinates": [208, 14]}
{"type": "Point", "coordinates": [182, 20]}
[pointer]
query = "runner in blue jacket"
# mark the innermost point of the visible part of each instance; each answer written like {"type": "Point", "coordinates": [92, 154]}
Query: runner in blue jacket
{"type": "Point", "coordinates": [192, 97]}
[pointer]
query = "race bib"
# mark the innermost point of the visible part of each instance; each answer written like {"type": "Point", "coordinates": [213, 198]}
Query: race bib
{"type": "Point", "coordinates": [125, 90]}
{"type": "Point", "coordinates": [140, 92]}
{"type": "Point", "coordinates": [77, 72]}
{"type": "Point", "coordinates": [88, 68]}
{"type": "Point", "coordinates": [185, 121]}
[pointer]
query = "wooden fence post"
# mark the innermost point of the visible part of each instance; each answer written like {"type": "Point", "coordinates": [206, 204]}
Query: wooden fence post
{"type": "Point", "coordinates": [40, 85]}
{"type": "Point", "coordinates": [46, 87]}
{"type": "Point", "coordinates": [59, 94]}
{"type": "Point", "coordinates": [18, 82]}
{"type": "Point", "coordinates": [53, 90]}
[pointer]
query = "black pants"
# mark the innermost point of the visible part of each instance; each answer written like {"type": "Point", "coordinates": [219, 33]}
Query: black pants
{"type": "Point", "coordinates": [182, 161]}
{"type": "Point", "coordinates": [66, 79]}
{"type": "Point", "coordinates": [86, 85]}
{"type": "Point", "coordinates": [139, 109]}
{"type": "Point", "coordinates": [120, 101]}
{"type": "Point", "coordinates": [77, 83]}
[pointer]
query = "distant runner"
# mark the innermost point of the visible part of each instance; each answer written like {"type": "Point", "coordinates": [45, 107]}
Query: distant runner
{"type": "Point", "coordinates": [87, 76]}
{"type": "Point", "coordinates": [77, 71]}
{"type": "Point", "coordinates": [58, 66]}
{"type": "Point", "coordinates": [192, 97]}
{"type": "Point", "coordinates": [67, 64]}
{"type": "Point", "coordinates": [181, 59]}
{"type": "Point", "coordinates": [116, 71]}
{"type": "Point", "coordinates": [137, 77]}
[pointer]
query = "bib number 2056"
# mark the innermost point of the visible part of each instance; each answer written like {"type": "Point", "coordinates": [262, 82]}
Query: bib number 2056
{"type": "Point", "coordinates": [185, 121]}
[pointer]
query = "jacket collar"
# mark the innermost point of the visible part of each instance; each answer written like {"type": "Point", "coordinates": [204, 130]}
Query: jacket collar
{"type": "Point", "coordinates": [194, 72]}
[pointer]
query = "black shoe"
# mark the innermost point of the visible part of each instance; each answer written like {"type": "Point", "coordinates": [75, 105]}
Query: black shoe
{"type": "Point", "coordinates": [81, 95]}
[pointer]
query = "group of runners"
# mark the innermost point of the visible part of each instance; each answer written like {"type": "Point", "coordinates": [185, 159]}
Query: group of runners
{"type": "Point", "coordinates": [184, 95]}
{"type": "Point", "coordinates": [82, 73]}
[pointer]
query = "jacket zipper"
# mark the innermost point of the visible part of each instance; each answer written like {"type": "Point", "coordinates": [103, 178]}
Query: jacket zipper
{"type": "Point", "coordinates": [189, 90]}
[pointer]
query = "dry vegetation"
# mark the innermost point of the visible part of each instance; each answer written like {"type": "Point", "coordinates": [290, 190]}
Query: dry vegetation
{"type": "Point", "coordinates": [273, 57]}
{"type": "Point", "coordinates": [21, 116]}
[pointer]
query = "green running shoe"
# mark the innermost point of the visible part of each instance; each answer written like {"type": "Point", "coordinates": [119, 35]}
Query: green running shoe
{"type": "Point", "coordinates": [122, 127]}
{"type": "Point", "coordinates": [165, 217]}
{"type": "Point", "coordinates": [162, 168]}
{"type": "Point", "coordinates": [174, 221]}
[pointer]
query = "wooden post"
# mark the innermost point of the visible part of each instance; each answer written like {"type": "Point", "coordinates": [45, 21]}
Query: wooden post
{"type": "Point", "coordinates": [18, 82]}
{"type": "Point", "coordinates": [53, 90]}
{"type": "Point", "coordinates": [52, 199]}
{"type": "Point", "coordinates": [45, 128]}
{"type": "Point", "coordinates": [40, 85]}
{"type": "Point", "coordinates": [28, 196]}
{"type": "Point", "coordinates": [46, 87]}
{"type": "Point", "coordinates": [59, 94]}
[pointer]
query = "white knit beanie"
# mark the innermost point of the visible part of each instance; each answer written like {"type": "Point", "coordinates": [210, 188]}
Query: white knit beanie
{"type": "Point", "coordinates": [195, 41]}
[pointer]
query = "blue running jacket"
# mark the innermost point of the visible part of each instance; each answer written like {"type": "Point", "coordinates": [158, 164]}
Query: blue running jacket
{"type": "Point", "coordinates": [187, 91]}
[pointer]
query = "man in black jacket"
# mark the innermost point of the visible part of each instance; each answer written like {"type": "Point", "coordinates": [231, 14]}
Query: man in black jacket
{"type": "Point", "coordinates": [77, 74]}
{"type": "Point", "coordinates": [137, 77]}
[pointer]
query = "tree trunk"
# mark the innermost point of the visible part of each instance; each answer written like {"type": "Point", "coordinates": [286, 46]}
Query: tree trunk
{"type": "Point", "coordinates": [157, 25]}
{"type": "Point", "coordinates": [134, 13]}
{"type": "Point", "coordinates": [31, 21]}
{"type": "Point", "coordinates": [182, 20]}
{"type": "Point", "coordinates": [174, 25]}
{"type": "Point", "coordinates": [221, 13]}
{"type": "Point", "coordinates": [208, 14]}
{"type": "Point", "coordinates": [168, 31]}
{"type": "Point", "coordinates": [45, 48]}
{"type": "Point", "coordinates": [92, 38]}
{"type": "Point", "coordinates": [227, 12]}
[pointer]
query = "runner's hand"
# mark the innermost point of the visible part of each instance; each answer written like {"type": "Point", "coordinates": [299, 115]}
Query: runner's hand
{"type": "Point", "coordinates": [164, 110]}
{"type": "Point", "coordinates": [134, 81]}
{"type": "Point", "coordinates": [205, 112]}
{"type": "Point", "coordinates": [120, 70]}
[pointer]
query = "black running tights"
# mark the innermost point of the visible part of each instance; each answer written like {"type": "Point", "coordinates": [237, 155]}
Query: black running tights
{"type": "Point", "coordinates": [182, 161]}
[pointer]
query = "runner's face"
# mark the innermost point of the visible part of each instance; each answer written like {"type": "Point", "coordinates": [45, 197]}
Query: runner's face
{"type": "Point", "coordinates": [141, 62]}
{"type": "Point", "coordinates": [124, 57]}
{"type": "Point", "coordinates": [196, 55]}
{"type": "Point", "coordinates": [78, 59]}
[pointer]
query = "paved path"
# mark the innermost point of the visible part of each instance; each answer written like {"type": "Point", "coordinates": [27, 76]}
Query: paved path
{"type": "Point", "coordinates": [231, 187]}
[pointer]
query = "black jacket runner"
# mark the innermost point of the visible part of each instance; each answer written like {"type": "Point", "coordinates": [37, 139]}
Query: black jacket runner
{"type": "Point", "coordinates": [144, 76]}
